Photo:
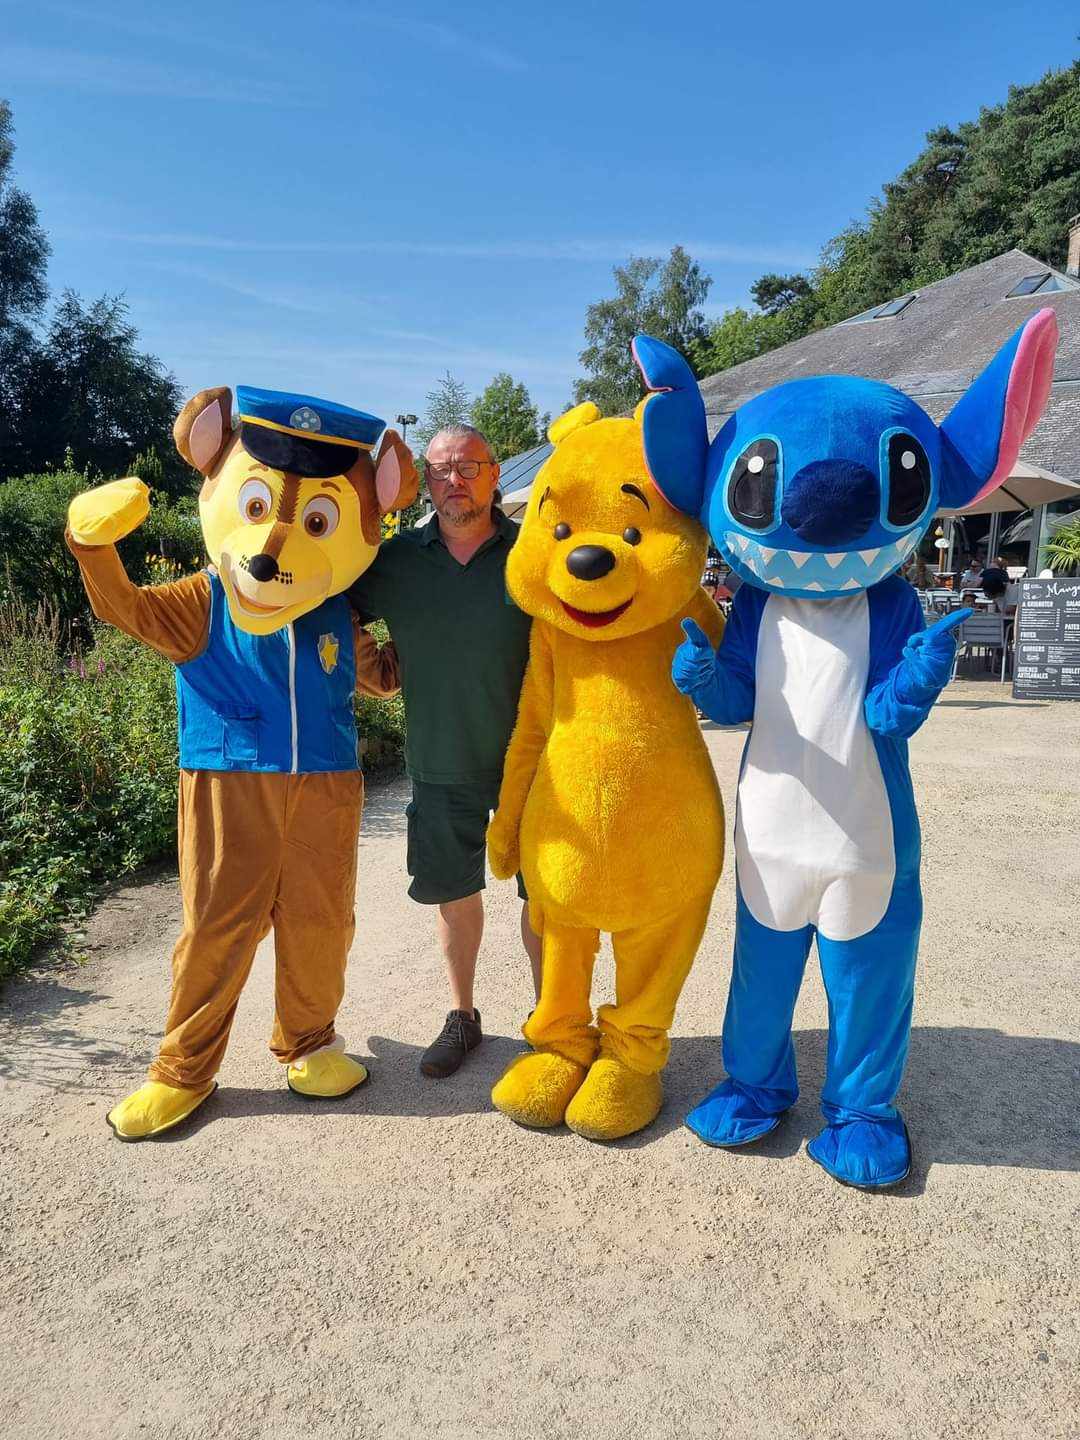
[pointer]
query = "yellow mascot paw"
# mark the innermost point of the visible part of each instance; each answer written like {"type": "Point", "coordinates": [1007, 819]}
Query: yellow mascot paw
{"type": "Point", "coordinates": [153, 1108]}
{"type": "Point", "coordinates": [326, 1075]}
{"type": "Point", "coordinates": [108, 512]}
{"type": "Point", "coordinates": [536, 1088]}
{"type": "Point", "coordinates": [614, 1101]}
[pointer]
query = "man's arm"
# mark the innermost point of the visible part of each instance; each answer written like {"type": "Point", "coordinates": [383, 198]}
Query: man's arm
{"type": "Point", "coordinates": [172, 619]}
{"type": "Point", "coordinates": [377, 669]}
{"type": "Point", "coordinates": [526, 745]}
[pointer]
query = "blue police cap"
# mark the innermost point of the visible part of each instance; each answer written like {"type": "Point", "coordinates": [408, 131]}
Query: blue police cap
{"type": "Point", "coordinates": [307, 417]}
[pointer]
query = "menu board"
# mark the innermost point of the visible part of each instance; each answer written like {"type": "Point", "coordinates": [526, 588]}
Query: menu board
{"type": "Point", "coordinates": [1047, 658]}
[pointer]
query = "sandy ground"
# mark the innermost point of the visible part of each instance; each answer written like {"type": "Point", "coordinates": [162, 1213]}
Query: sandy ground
{"type": "Point", "coordinates": [408, 1263]}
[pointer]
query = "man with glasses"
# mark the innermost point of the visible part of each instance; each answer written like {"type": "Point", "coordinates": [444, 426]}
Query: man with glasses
{"type": "Point", "coordinates": [462, 645]}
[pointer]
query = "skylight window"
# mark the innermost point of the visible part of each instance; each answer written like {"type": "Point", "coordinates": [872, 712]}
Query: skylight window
{"type": "Point", "coordinates": [881, 312]}
{"type": "Point", "coordinates": [894, 307]}
{"type": "Point", "coordinates": [1030, 284]}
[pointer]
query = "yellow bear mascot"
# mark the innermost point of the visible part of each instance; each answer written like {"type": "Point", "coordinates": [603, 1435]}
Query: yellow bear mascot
{"type": "Point", "coordinates": [267, 660]}
{"type": "Point", "coordinates": [609, 801]}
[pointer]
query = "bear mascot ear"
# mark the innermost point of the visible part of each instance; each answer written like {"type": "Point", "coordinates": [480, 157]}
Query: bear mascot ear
{"type": "Point", "coordinates": [396, 477]}
{"type": "Point", "coordinates": [982, 434]}
{"type": "Point", "coordinates": [676, 436]}
{"type": "Point", "coordinates": [204, 428]}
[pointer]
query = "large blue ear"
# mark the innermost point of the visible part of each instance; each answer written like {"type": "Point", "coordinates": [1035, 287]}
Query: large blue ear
{"type": "Point", "coordinates": [676, 436]}
{"type": "Point", "coordinates": [982, 434]}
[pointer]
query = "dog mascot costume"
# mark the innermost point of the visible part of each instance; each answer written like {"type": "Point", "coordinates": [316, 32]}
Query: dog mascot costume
{"type": "Point", "coordinates": [608, 800]}
{"type": "Point", "coordinates": [267, 661]}
{"type": "Point", "coordinates": [816, 491]}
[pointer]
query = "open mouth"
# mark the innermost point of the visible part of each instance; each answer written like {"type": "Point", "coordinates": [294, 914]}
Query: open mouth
{"type": "Point", "coordinates": [253, 607]}
{"type": "Point", "coordinates": [809, 570]}
{"type": "Point", "coordinates": [595, 618]}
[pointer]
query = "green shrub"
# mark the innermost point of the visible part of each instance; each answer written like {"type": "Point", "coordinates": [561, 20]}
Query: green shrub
{"type": "Point", "coordinates": [87, 772]}
{"type": "Point", "coordinates": [88, 767]}
{"type": "Point", "coordinates": [35, 564]}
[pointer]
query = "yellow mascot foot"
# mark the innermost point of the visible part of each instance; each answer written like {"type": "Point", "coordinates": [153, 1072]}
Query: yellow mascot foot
{"type": "Point", "coordinates": [536, 1088]}
{"type": "Point", "coordinates": [326, 1075]}
{"type": "Point", "coordinates": [614, 1101]}
{"type": "Point", "coordinates": [154, 1108]}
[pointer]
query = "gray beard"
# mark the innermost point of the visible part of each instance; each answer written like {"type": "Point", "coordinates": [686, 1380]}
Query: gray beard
{"type": "Point", "coordinates": [461, 517]}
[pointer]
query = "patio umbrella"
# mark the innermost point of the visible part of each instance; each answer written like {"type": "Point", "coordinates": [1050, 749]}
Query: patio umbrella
{"type": "Point", "coordinates": [1025, 488]}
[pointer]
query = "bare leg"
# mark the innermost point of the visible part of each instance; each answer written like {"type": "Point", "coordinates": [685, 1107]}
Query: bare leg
{"type": "Point", "coordinates": [461, 928]}
{"type": "Point", "coordinates": [533, 947]}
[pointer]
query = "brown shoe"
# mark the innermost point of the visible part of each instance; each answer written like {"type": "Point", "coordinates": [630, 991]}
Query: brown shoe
{"type": "Point", "coordinates": [459, 1035]}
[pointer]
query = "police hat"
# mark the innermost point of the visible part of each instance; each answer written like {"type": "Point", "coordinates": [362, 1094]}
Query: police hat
{"type": "Point", "coordinates": [301, 434]}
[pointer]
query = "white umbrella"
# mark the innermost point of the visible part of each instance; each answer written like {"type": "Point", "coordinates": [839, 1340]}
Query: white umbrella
{"type": "Point", "coordinates": [1025, 488]}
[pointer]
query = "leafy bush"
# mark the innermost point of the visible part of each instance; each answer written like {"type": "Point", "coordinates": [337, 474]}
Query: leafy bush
{"type": "Point", "coordinates": [88, 766]}
{"type": "Point", "coordinates": [35, 564]}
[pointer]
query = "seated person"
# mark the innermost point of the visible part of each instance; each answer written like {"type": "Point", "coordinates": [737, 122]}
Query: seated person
{"type": "Point", "coordinates": [972, 575]}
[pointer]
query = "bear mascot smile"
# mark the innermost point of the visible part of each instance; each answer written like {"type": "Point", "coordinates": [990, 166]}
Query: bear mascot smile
{"type": "Point", "coordinates": [268, 660]}
{"type": "Point", "coordinates": [609, 799]}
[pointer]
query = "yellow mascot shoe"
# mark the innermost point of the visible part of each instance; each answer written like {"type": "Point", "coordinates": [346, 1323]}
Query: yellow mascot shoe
{"type": "Point", "coordinates": [536, 1088]}
{"type": "Point", "coordinates": [154, 1108]}
{"type": "Point", "coordinates": [326, 1074]}
{"type": "Point", "coordinates": [614, 1101]}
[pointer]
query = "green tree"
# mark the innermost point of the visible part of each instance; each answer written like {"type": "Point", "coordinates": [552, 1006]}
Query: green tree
{"type": "Point", "coordinates": [662, 299]}
{"type": "Point", "coordinates": [24, 255]}
{"type": "Point", "coordinates": [447, 404]}
{"type": "Point", "coordinates": [507, 417]}
{"type": "Point", "coordinates": [1008, 179]}
{"type": "Point", "coordinates": [91, 392]}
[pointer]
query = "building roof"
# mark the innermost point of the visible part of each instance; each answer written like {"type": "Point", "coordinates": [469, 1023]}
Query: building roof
{"type": "Point", "coordinates": [519, 470]}
{"type": "Point", "coordinates": [932, 349]}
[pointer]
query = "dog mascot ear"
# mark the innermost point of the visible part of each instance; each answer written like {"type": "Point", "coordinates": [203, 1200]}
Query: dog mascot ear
{"type": "Point", "coordinates": [203, 428]}
{"type": "Point", "coordinates": [982, 434]}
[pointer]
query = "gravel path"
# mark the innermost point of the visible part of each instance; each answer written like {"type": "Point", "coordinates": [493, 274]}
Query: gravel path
{"type": "Point", "coordinates": [411, 1264]}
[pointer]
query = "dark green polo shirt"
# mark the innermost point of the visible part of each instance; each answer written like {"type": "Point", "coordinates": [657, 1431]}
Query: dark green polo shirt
{"type": "Point", "coordinates": [462, 643]}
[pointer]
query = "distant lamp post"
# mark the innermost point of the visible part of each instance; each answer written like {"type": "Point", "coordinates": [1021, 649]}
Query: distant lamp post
{"type": "Point", "coordinates": [405, 421]}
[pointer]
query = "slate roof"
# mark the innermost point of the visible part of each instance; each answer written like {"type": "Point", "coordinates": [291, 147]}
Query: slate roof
{"type": "Point", "coordinates": [933, 350]}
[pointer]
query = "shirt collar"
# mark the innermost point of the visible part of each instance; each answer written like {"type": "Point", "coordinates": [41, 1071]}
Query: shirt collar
{"type": "Point", "coordinates": [504, 529]}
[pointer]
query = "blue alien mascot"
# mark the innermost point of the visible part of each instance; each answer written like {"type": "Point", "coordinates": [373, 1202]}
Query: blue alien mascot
{"type": "Point", "coordinates": [816, 492]}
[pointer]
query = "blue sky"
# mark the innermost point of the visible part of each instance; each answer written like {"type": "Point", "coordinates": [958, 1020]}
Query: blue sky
{"type": "Point", "coordinates": [349, 199]}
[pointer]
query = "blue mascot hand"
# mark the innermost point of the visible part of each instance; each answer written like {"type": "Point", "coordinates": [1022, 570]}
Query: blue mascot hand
{"type": "Point", "coordinates": [694, 662]}
{"type": "Point", "coordinates": [928, 654]}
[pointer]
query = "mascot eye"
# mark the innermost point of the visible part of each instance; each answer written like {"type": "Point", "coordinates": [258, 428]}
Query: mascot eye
{"type": "Point", "coordinates": [752, 486]}
{"type": "Point", "coordinates": [632, 535]}
{"type": "Point", "coordinates": [562, 531]}
{"type": "Point", "coordinates": [255, 500]}
{"type": "Point", "coordinates": [909, 480]}
{"type": "Point", "coordinates": [321, 517]}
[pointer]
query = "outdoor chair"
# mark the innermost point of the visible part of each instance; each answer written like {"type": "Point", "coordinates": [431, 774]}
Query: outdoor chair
{"type": "Point", "coordinates": [982, 632]}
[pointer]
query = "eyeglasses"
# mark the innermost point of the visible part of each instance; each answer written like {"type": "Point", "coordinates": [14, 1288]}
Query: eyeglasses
{"type": "Point", "coordinates": [467, 469]}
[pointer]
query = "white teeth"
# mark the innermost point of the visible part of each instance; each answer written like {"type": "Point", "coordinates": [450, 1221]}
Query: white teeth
{"type": "Point", "coordinates": [766, 554]}
{"type": "Point", "coordinates": [742, 542]}
{"type": "Point", "coordinates": [851, 584]}
{"type": "Point", "coordinates": [901, 547]}
{"type": "Point", "coordinates": [800, 557]}
{"type": "Point", "coordinates": [815, 585]}
{"type": "Point", "coordinates": [869, 556]}
{"type": "Point", "coordinates": [836, 559]}
{"type": "Point", "coordinates": [752, 562]}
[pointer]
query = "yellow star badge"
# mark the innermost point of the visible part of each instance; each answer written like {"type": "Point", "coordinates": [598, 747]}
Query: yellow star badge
{"type": "Point", "coordinates": [328, 652]}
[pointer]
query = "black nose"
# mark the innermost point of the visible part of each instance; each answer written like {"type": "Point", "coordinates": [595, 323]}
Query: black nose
{"type": "Point", "coordinates": [590, 562]}
{"type": "Point", "coordinates": [831, 502]}
{"type": "Point", "coordinates": [263, 567]}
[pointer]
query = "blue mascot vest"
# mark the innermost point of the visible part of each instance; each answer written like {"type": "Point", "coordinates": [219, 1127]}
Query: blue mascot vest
{"type": "Point", "coordinates": [281, 702]}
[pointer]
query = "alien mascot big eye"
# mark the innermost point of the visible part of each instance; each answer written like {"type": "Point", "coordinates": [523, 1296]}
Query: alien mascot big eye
{"type": "Point", "coordinates": [267, 661]}
{"type": "Point", "coordinates": [608, 803]}
{"type": "Point", "coordinates": [816, 491]}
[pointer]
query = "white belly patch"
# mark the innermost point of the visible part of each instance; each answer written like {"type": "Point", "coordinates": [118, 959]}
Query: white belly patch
{"type": "Point", "coordinates": [813, 834]}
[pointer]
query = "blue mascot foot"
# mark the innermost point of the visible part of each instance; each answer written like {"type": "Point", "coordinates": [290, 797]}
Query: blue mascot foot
{"type": "Point", "coordinates": [729, 1116]}
{"type": "Point", "coordinates": [869, 1154]}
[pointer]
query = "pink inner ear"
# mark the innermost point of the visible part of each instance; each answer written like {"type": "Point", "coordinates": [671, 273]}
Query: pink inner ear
{"type": "Point", "coordinates": [388, 480]}
{"type": "Point", "coordinates": [1030, 379]}
{"type": "Point", "coordinates": [204, 440]}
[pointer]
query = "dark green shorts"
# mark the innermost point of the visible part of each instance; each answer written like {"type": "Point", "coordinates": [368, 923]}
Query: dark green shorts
{"type": "Point", "coordinates": [447, 840]}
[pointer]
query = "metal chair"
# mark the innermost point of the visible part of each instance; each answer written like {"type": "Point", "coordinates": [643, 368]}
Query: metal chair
{"type": "Point", "coordinates": [982, 632]}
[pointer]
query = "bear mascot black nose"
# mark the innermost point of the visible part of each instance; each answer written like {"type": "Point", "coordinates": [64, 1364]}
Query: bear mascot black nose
{"type": "Point", "coordinates": [590, 562]}
{"type": "Point", "coordinates": [262, 567]}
